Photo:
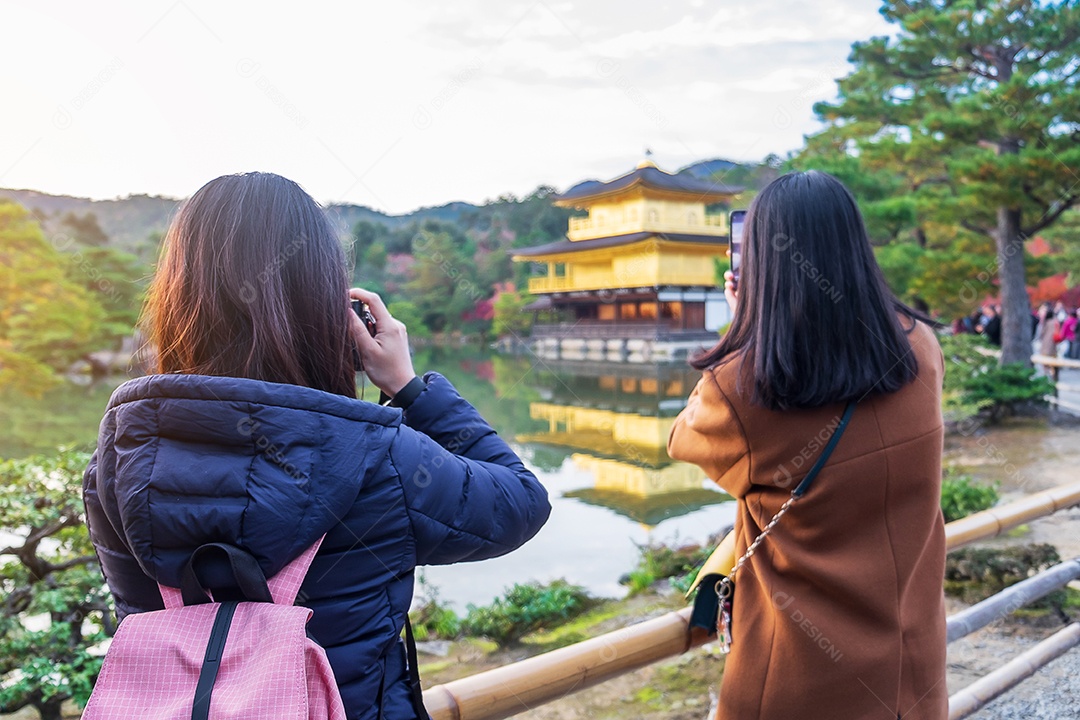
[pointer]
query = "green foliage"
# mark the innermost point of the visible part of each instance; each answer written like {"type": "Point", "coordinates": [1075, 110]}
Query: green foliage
{"type": "Point", "coordinates": [961, 496]}
{"type": "Point", "coordinates": [84, 229]}
{"type": "Point", "coordinates": [951, 281]}
{"type": "Point", "coordinates": [899, 264]}
{"type": "Point", "coordinates": [435, 622]}
{"type": "Point", "coordinates": [433, 619]}
{"type": "Point", "coordinates": [510, 317]}
{"type": "Point", "coordinates": [961, 119]}
{"type": "Point", "coordinates": [443, 286]}
{"type": "Point", "coordinates": [409, 314]}
{"type": "Point", "coordinates": [526, 608]}
{"type": "Point", "coordinates": [56, 609]}
{"type": "Point", "coordinates": [67, 414]}
{"type": "Point", "coordinates": [976, 384]}
{"type": "Point", "coordinates": [720, 266]}
{"type": "Point", "coordinates": [119, 282]}
{"type": "Point", "coordinates": [1002, 389]}
{"type": "Point", "coordinates": [975, 574]}
{"type": "Point", "coordinates": [374, 259]}
{"type": "Point", "coordinates": [658, 561]}
{"type": "Point", "coordinates": [365, 234]}
{"type": "Point", "coordinates": [1064, 238]}
{"type": "Point", "coordinates": [47, 319]}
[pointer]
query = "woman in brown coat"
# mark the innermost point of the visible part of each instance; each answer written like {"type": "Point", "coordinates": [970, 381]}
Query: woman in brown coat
{"type": "Point", "coordinates": [840, 612]}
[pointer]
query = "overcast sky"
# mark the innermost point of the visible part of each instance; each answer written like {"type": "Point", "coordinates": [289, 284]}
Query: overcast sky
{"type": "Point", "coordinates": [396, 105]}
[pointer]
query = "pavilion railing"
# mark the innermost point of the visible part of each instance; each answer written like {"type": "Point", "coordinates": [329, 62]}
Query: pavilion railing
{"type": "Point", "coordinates": [610, 330]}
{"type": "Point", "coordinates": [511, 689]}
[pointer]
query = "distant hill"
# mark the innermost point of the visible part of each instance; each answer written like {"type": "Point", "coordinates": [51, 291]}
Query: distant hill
{"type": "Point", "coordinates": [348, 215]}
{"type": "Point", "coordinates": [132, 223]}
{"type": "Point", "coordinates": [128, 221]}
{"type": "Point", "coordinates": [708, 169]}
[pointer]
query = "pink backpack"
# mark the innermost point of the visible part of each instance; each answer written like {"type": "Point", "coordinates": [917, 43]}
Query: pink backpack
{"type": "Point", "coordinates": [246, 655]}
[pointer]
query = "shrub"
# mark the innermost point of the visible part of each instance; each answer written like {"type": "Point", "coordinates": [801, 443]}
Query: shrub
{"type": "Point", "coordinates": [976, 384]}
{"type": "Point", "coordinates": [961, 496]}
{"type": "Point", "coordinates": [433, 619]}
{"type": "Point", "coordinates": [974, 574]}
{"type": "Point", "coordinates": [1000, 390]}
{"type": "Point", "coordinates": [55, 609]}
{"type": "Point", "coordinates": [526, 608]}
{"type": "Point", "coordinates": [658, 561]}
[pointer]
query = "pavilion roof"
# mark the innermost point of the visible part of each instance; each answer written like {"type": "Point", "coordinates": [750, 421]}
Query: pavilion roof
{"type": "Point", "coordinates": [564, 246]}
{"type": "Point", "coordinates": [651, 177]}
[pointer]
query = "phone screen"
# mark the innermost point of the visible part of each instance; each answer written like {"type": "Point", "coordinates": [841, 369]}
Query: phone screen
{"type": "Point", "coordinates": [735, 240]}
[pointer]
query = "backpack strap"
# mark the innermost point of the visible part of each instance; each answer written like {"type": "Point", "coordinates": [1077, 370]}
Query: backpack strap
{"type": "Point", "coordinates": [202, 581]}
{"type": "Point", "coordinates": [284, 586]}
{"type": "Point", "coordinates": [414, 671]}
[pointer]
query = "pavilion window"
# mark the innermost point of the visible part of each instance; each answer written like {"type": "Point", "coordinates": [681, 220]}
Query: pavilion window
{"type": "Point", "coordinates": [647, 310]}
{"type": "Point", "coordinates": [675, 389]}
{"type": "Point", "coordinates": [629, 311]}
{"type": "Point", "coordinates": [672, 312]}
{"type": "Point", "coordinates": [606, 312]}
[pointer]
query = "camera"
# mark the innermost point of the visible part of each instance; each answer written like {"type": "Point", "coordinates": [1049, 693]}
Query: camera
{"type": "Point", "coordinates": [364, 313]}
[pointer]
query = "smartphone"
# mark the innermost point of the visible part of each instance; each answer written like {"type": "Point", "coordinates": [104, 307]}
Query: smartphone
{"type": "Point", "coordinates": [364, 313]}
{"type": "Point", "coordinates": [735, 240]}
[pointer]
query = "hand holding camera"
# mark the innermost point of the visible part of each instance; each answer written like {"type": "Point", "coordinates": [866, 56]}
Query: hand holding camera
{"type": "Point", "coordinates": [382, 342]}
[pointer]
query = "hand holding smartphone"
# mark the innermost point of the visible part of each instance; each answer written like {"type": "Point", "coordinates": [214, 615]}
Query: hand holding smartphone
{"type": "Point", "coordinates": [735, 241]}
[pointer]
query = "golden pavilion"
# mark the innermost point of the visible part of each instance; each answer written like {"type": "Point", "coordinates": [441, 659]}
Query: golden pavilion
{"type": "Point", "coordinates": [635, 278]}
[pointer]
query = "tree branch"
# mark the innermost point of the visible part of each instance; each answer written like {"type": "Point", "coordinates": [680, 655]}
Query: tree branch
{"type": "Point", "coordinates": [16, 705]}
{"type": "Point", "coordinates": [936, 180]}
{"type": "Point", "coordinates": [67, 564]}
{"type": "Point", "coordinates": [973, 227]}
{"type": "Point", "coordinates": [1051, 217]}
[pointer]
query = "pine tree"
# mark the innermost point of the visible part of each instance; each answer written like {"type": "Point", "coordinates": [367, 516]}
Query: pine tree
{"type": "Point", "coordinates": [975, 104]}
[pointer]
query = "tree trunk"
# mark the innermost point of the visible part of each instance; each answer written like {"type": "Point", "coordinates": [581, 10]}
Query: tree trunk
{"type": "Point", "coordinates": [1015, 307]}
{"type": "Point", "coordinates": [51, 709]}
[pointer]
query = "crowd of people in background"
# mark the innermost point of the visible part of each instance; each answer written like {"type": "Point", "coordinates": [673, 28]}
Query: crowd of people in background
{"type": "Point", "coordinates": [1053, 328]}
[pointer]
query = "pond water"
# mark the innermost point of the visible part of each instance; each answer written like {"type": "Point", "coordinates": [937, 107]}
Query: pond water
{"type": "Point", "coordinates": [595, 435]}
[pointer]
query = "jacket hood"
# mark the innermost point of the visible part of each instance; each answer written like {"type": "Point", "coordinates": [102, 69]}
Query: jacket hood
{"type": "Point", "coordinates": [184, 460]}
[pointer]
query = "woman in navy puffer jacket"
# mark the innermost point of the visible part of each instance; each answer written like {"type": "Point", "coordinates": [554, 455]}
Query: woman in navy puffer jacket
{"type": "Point", "coordinates": [251, 434]}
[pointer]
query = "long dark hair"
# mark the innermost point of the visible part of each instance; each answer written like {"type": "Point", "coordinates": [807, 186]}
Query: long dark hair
{"type": "Point", "coordinates": [815, 323]}
{"type": "Point", "coordinates": [252, 283]}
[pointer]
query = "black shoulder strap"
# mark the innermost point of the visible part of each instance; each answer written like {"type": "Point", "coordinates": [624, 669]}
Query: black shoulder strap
{"type": "Point", "coordinates": [243, 580]}
{"type": "Point", "coordinates": [824, 456]}
{"type": "Point", "coordinates": [200, 708]}
{"type": "Point", "coordinates": [414, 672]}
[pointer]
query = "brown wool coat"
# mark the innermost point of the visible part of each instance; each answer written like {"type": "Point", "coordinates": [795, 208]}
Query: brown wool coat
{"type": "Point", "coordinates": [840, 613]}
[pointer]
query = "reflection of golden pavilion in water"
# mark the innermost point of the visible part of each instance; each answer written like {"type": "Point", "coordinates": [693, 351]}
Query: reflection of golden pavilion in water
{"type": "Point", "coordinates": [619, 426]}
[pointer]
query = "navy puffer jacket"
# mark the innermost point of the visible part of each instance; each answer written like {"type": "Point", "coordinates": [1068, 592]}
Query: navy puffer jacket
{"type": "Point", "coordinates": [183, 460]}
